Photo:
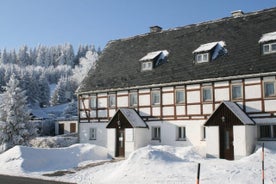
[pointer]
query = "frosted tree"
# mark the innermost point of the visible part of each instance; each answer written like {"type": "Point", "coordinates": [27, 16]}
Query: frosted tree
{"type": "Point", "coordinates": [14, 116]}
{"type": "Point", "coordinates": [71, 109]}
{"type": "Point", "coordinates": [44, 91]}
{"type": "Point", "coordinates": [23, 57]}
{"type": "Point", "coordinates": [63, 92]}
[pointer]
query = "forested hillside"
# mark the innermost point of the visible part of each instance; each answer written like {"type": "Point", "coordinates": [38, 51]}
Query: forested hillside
{"type": "Point", "coordinates": [37, 68]}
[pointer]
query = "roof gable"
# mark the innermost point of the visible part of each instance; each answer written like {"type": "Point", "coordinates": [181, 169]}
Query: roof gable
{"type": "Point", "coordinates": [228, 113]}
{"type": "Point", "coordinates": [128, 118]}
{"type": "Point", "coordinates": [119, 66]}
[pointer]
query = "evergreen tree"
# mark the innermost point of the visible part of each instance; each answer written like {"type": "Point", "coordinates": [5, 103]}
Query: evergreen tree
{"type": "Point", "coordinates": [14, 115]}
{"type": "Point", "coordinates": [71, 109]}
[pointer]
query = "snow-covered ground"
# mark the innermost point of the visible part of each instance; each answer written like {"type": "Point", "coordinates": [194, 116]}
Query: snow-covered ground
{"type": "Point", "coordinates": [151, 164]}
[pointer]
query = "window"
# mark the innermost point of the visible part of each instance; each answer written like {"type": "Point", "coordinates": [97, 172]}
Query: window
{"type": "Point", "coordinates": [133, 99]}
{"type": "Point", "coordinates": [112, 100]}
{"type": "Point", "coordinates": [236, 91]}
{"type": "Point", "coordinates": [155, 97]}
{"type": "Point", "coordinates": [181, 133]}
{"type": "Point", "coordinates": [269, 89]}
{"type": "Point", "coordinates": [179, 96]}
{"type": "Point", "coordinates": [269, 48]}
{"type": "Point", "coordinates": [146, 66]}
{"type": "Point", "coordinates": [206, 94]}
{"type": "Point", "coordinates": [267, 131]}
{"type": "Point", "coordinates": [156, 134]}
{"type": "Point", "coordinates": [93, 132]}
{"type": "Point", "coordinates": [203, 57]}
{"type": "Point", "coordinates": [93, 102]}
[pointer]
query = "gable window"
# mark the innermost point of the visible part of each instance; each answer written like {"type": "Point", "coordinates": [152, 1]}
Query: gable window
{"type": "Point", "coordinates": [269, 88]}
{"type": "Point", "coordinates": [201, 58]}
{"type": "Point", "coordinates": [209, 51]}
{"type": "Point", "coordinates": [236, 91]}
{"type": "Point", "coordinates": [133, 99]}
{"type": "Point", "coordinates": [181, 133]}
{"type": "Point", "coordinates": [93, 102]}
{"type": "Point", "coordinates": [207, 94]}
{"type": "Point", "coordinates": [179, 96]}
{"type": "Point", "coordinates": [112, 100]}
{"type": "Point", "coordinates": [155, 97]}
{"type": "Point", "coordinates": [156, 133]}
{"type": "Point", "coordinates": [92, 134]}
{"type": "Point", "coordinates": [268, 42]}
{"type": "Point", "coordinates": [146, 66]}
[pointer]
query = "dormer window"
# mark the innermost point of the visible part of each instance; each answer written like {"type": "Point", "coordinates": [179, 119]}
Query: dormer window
{"type": "Point", "coordinates": [153, 59]}
{"type": "Point", "coordinates": [268, 43]}
{"type": "Point", "coordinates": [209, 51]}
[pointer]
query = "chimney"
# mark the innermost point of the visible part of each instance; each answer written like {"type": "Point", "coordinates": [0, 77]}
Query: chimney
{"type": "Point", "coordinates": [237, 13]}
{"type": "Point", "coordinates": [155, 29]}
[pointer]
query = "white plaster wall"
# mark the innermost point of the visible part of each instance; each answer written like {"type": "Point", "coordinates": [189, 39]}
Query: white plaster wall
{"type": "Point", "coordinates": [193, 96]}
{"type": "Point", "coordinates": [111, 141]}
{"type": "Point", "coordinates": [253, 92]}
{"type": "Point", "coordinates": [129, 141]}
{"type": "Point", "coordinates": [212, 141]}
{"type": "Point", "coordinates": [270, 105]}
{"type": "Point", "coordinates": [244, 140]}
{"type": "Point", "coordinates": [253, 106]}
{"type": "Point", "coordinates": [207, 108]}
{"type": "Point", "coordinates": [102, 113]}
{"type": "Point", "coordinates": [85, 102]}
{"type": "Point", "coordinates": [93, 114]}
{"type": "Point", "coordinates": [193, 109]}
{"type": "Point", "coordinates": [221, 94]}
{"type": "Point", "coordinates": [144, 111]}
{"type": "Point", "coordinates": [222, 83]}
{"type": "Point", "coordinates": [193, 86]}
{"type": "Point", "coordinates": [252, 81]}
{"type": "Point", "coordinates": [168, 111]}
{"type": "Point", "coordinates": [66, 126]}
{"type": "Point", "coordinates": [122, 101]}
{"type": "Point", "coordinates": [84, 133]}
{"type": "Point", "coordinates": [156, 111]}
{"type": "Point", "coordinates": [102, 102]}
{"type": "Point", "coordinates": [180, 110]}
{"type": "Point", "coordinates": [167, 89]}
{"type": "Point", "coordinates": [141, 137]}
{"type": "Point", "coordinates": [112, 112]}
{"type": "Point", "coordinates": [144, 100]}
{"type": "Point", "coordinates": [167, 98]}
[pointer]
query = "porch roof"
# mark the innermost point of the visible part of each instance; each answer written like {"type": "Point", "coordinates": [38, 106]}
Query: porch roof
{"type": "Point", "coordinates": [131, 116]}
{"type": "Point", "coordinates": [235, 109]}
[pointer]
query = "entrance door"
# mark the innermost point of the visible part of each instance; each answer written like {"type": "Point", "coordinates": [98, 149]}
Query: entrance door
{"type": "Point", "coordinates": [120, 142]}
{"type": "Point", "coordinates": [60, 129]}
{"type": "Point", "coordinates": [226, 142]}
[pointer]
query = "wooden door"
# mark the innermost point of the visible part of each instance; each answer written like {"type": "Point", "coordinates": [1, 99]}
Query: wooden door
{"type": "Point", "coordinates": [120, 142]}
{"type": "Point", "coordinates": [72, 127]}
{"type": "Point", "coordinates": [60, 129]}
{"type": "Point", "coordinates": [226, 142]}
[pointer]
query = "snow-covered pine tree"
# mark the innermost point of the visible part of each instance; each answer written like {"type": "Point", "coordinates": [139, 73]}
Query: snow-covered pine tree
{"type": "Point", "coordinates": [71, 109]}
{"type": "Point", "coordinates": [14, 115]}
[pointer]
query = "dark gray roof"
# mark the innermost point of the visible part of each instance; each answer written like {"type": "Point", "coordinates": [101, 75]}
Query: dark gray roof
{"type": "Point", "coordinates": [119, 65]}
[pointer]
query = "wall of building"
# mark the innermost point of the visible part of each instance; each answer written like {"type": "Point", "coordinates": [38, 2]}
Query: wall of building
{"type": "Point", "coordinates": [111, 143]}
{"type": "Point", "coordinates": [101, 133]}
{"type": "Point", "coordinates": [212, 142]}
{"type": "Point", "coordinates": [67, 126]}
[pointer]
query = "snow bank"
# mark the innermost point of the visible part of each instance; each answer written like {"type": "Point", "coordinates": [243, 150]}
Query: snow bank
{"type": "Point", "coordinates": [22, 159]}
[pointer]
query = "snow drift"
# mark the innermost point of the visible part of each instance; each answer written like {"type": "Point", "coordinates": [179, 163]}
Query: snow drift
{"type": "Point", "coordinates": [26, 159]}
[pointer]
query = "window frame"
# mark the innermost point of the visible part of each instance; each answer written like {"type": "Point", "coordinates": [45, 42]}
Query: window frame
{"type": "Point", "coordinates": [93, 102]}
{"type": "Point", "coordinates": [265, 88]}
{"type": "Point", "coordinates": [153, 93]}
{"type": "Point", "coordinates": [93, 133]}
{"type": "Point", "coordinates": [110, 96]}
{"type": "Point", "coordinates": [202, 56]}
{"type": "Point", "coordinates": [177, 101]}
{"type": "Point", "coordinates": [156, 133]}
{"type": "Point", "coordinates": [269, 134]}
{"type": "Point", "coordinates": [131, 101]}
{"type": "Point", "coordinates": [270, 48]}
{"type": "Point", "coordinates": [146, 65]}
{"type": "Point", "coordinates": [181, 133]}
{"type": "Point", "coordinates": [204, 88]}
{"type": "Point", "coordinates": [232, 91]}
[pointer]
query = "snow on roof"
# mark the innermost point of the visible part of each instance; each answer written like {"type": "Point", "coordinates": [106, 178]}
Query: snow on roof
{"type": "Point", "coordinates": [208, 46]}
{"type": "Point", "coordinates": [133, 118]}
{"type": "Point", "coordinates": [268, 37]}
{"type": "Point", "coordinates": [239, 113]}
{"type": "Point", "coordinates": [152, 55]}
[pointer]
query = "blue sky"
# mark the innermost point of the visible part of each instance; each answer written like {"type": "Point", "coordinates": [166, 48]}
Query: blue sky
{"type": "Point", "coordinates": [53, 22]}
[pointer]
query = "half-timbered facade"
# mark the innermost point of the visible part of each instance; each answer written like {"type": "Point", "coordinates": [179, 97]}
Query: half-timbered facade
{"type": "Point", "coordinates": [211, 85]}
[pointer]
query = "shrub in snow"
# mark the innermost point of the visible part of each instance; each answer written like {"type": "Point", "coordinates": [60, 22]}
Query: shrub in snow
{"type": "Point", "coordinates": [14, 114]}
{"type": "Point", "coordinates": [53, 142]}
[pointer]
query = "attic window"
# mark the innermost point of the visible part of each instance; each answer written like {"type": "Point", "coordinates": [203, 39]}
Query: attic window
{"type": "Point", "coordinates": [153, 59]}
{"type": "Point", "coordinates": [268, 43]}
{"type": "Point", "coordinates": [209, 51]}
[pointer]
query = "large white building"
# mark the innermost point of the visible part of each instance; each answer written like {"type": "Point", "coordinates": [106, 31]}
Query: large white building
{"type": "Point", "coordinates": [211, 85]}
